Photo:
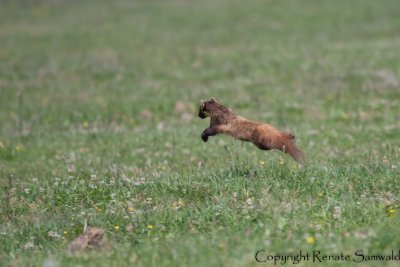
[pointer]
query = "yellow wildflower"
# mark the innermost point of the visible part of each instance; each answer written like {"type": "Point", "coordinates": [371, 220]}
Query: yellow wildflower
{"type": "Point", "coordinates": [149, 226]}
{"type": "Point", "coordinates": [262, 162]}
{"type": "Point", "coordinates": [85, 124]}
{"type": "Point", "coordinates": [391, 213]}
{"type": "Point", "coordinates": [116, 227]}
{"type": "Point", "coordinates": [310, 240]}
{"type": "Point", "coordinates": [131, 209]}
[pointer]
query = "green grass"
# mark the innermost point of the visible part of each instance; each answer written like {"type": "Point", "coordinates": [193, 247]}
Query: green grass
{"type": "Point", "coordinates": [89, 130]}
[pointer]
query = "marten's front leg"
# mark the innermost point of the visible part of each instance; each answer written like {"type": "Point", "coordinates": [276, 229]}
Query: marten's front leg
{"type": "Point", "coordinates": [208, 132]}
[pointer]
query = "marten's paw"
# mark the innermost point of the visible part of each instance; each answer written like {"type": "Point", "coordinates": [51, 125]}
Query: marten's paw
{"type": "Point", "coordinates": [204, 137]}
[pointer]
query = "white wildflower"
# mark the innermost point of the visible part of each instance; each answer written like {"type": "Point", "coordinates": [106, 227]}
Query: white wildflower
{"type": "Point", "coordinates": [54, 235]}
{"type": "Point", "coordinates": [250, 203]}
{"type": "Point", "coordinates": [337, 211]}
{"type": "Point", "coordinates": [29, 245]}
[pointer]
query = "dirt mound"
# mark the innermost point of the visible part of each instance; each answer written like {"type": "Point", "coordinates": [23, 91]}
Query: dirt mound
{"type": "Point", "coordinates": [93, 238]}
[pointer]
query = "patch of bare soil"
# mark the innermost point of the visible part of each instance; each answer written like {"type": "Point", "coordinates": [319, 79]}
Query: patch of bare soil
{"type": "Point", "coordinates": [93, 238]}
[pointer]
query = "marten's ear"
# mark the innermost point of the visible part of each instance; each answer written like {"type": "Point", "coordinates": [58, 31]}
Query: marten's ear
{"type": "Point", "coordinates": [213, 99]}
{"type": "Point", "coordinates": [202, 104]}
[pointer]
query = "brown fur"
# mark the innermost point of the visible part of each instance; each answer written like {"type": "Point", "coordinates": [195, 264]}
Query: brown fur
{"type": "Point", "coordinates": [262, 135]}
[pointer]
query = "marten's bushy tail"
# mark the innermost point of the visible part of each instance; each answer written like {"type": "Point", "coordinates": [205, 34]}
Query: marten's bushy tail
{"type": "Point", "coordinates": [290, 147]}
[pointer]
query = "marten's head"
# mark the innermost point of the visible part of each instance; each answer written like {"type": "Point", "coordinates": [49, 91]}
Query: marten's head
{"type": "Point", "coordinates": [206, 108]}
{"type": "Point", "coordinates": [210, 107]}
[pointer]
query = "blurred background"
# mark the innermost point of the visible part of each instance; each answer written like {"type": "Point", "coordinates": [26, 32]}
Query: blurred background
{"type": "Point", "coordinates": [118, 65]}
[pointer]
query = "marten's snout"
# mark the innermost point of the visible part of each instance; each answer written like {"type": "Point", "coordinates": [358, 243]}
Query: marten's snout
{"type": "Point", "coordinates": [202, 114]}
{"type": "Point", "coordinates": [202, 108]}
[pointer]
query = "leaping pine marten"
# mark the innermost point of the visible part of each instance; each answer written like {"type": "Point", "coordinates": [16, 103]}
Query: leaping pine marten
{"type": "Point", "coordinates": [262, 135]}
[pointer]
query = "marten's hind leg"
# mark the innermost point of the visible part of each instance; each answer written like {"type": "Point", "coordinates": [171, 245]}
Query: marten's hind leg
{"type": "Point", "coordinates": [267, 140]}
{"type": "Point", "coordinates": [284, 143]}
{"type": "Point", "coordinates": [268, 144]}
{"type": "Point", "coordinates": [263, 144]}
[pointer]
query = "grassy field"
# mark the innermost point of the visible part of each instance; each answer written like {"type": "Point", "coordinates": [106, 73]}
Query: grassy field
{"type": "Point", "coordinates": [98, 124]}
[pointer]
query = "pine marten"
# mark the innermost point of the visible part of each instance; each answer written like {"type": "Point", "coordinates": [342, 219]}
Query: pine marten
{"type": "Point", "coordinates": [262, 135]}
